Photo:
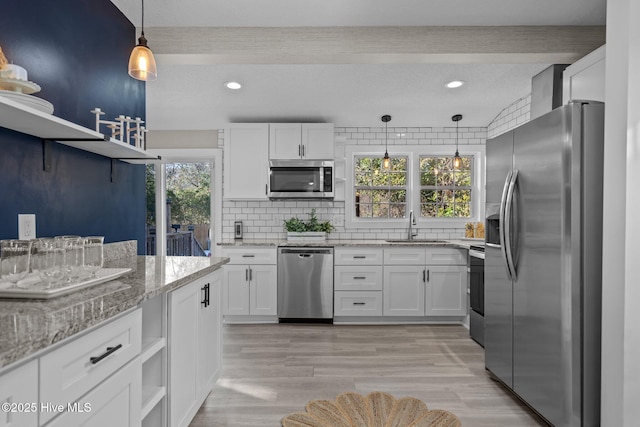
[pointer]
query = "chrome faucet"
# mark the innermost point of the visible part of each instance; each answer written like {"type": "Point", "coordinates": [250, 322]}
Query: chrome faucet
{"type": "Point", "coordinates": [412, 222]}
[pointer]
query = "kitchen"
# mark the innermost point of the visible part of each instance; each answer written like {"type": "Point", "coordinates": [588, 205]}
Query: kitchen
{"type": "Point", "coordinates": [117, 223]}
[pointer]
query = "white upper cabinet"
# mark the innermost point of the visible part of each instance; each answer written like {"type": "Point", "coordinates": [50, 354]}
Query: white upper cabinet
{"type": "Point", "coordinates": [301, 141]}
{"type": "Point", "coordinates": [584, 79]}
{"type": "Point", "coordinates": [246, 165]}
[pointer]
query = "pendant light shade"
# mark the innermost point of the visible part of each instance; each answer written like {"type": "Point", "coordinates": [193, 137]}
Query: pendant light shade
{"type": "Point", "coordinates": [386, 161]}
{"type": "Point", "coordinates": [457, 160]}
{"type": "Point", "coordinates": [142, 64]}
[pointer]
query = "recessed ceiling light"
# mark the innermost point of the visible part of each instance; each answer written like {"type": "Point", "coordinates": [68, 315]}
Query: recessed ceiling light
{"type": "Point", "coordinates": [232, 85]}
{"type": "Point", "coordinates": [454, 83]}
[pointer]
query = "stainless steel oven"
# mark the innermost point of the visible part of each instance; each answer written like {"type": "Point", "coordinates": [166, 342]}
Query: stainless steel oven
{"type": "Point", "coordinates": [476, 293]}
{"type": "Point", "coordinates": [301, 179]}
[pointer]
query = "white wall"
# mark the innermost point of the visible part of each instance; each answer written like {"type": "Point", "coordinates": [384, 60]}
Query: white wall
{"type": "Point", "coordinates": [264, 219]}
{"type": "Point", "coordinates": [621, 285]}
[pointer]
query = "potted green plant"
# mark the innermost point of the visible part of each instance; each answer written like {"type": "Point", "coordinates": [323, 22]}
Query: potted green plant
{"type": "Point", "coordinates": [312, 229]}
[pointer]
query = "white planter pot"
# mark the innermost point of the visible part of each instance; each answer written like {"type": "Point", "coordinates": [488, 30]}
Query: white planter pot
{"type": "Point", "coordinates": [306, 236]}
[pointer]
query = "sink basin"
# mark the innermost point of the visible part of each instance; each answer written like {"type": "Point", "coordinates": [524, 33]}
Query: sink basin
{"type": "Point", "coordinates": [415, 241]}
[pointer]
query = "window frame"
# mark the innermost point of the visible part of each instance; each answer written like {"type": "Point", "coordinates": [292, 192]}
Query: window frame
{"type": "Point", "coordinates": [413, 152]}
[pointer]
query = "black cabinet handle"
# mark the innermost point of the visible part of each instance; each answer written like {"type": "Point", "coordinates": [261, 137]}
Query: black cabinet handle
{"type": "Point", "coordinates": [359, 257]}
{"type": "Point", "coordinates": [359, 277]}
{"type": "Point", "coordinates": [251, 275]}
{"type": "Point", "coordinates": [109, 351]}
{"type": "Point", "coordinates": [205, 301]}
{"type": "Point", "coordinates": [427, 275]}
{"type": "Point", "coordinates": [358, 303]}
{"type": "Point", "coordinates": [246, 275]}
{"type": "Point", "coordinates": [424, 276]}
{"type": "Point", "coordinates": [248, 256]}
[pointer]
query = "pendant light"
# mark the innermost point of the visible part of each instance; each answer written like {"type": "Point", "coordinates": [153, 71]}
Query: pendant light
{"type": "Point", "coordinates": [386, 161]}
{"type": "Point", "coordinates": [457, 160]}
{"type": "Point", "coordinates": [142, 64]}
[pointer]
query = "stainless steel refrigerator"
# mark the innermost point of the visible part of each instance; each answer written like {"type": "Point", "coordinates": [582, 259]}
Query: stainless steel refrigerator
{"type": "Point", "coordinates": [543, 262]}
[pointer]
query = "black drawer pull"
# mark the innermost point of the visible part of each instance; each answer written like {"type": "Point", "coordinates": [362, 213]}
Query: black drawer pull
{"type": "Point", "coordinates": [248, 256]}
{"type": "Point", "coordinates": [359, 277]}
{"type": "Point", "coordinates": [359, 303]}
{"type": "Point", "coordinates": [110, 350]}
{"type": "Point", "coordinates": [359, 256]}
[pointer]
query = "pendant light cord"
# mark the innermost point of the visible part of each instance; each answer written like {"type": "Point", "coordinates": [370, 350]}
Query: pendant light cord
{"type": "Point", "coordinates": [142, 23]}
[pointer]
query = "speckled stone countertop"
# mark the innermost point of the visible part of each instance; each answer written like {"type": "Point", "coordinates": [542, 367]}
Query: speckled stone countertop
{"type": "Point", "coordinates": [28, 326]}
{"type": "Point", "coordinates": [456, 243]}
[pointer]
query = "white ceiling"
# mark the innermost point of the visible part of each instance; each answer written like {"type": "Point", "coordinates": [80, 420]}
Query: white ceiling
{"type": "Point", "coordinates": [193, 97]}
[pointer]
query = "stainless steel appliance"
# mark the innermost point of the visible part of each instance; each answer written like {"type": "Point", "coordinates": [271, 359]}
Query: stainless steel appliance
{"type": "Point", "coordinates": [476, 293]}
{"type": "Point", "coordinates": [305, 284]}
{"type": "Point", "coordinates": [543, 262]}
{"type": "Point", "coordinates": [301, 179]}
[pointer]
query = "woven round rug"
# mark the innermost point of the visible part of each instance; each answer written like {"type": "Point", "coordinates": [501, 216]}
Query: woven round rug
{"type": "Point", "coordinates": [377, 409]}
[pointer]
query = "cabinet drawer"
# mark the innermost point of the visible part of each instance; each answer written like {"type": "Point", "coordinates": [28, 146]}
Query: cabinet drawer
{"type": "Point", "coordinates": [405, 256]}
{"type": "Point", "coordinates": [358, 256]}
{"type": "Point", "coordinates": [446, 256]}
{"type": "Point", "coordinates": [68, 372]}
{"type": "Point", "coordinates": [357, 303]}
{"type": "Point", "coordinates": [356, 278]}
{"type": "Point", "coordinates": [250, 255]}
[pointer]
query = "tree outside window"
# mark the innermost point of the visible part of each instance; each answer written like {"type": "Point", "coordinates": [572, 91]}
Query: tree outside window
{"type": "Point", "coordinates": [380, 193]}
{"type": "Point", "coordinates": [445, 192]}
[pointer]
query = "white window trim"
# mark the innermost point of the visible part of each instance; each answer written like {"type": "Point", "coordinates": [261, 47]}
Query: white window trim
{"type": "Point", "coordinates": [413, 202]}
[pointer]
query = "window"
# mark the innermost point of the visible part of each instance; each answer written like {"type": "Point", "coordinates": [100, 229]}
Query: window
{"type": "Point", "coordinates": [445, 192]}
{"type": "Point", "coordinates": [421, 178]}
{"type": "Point", "coordinates": [380, 193]}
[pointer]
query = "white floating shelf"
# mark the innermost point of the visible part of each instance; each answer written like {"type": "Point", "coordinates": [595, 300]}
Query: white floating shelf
{"type": "Point", "coordinates": [30, 121]}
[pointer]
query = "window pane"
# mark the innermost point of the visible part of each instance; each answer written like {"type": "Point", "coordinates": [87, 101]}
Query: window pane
{"type": "Point", "coordinates": [380, 193]}
{"type": "Point", "coordinates": [442, 194]}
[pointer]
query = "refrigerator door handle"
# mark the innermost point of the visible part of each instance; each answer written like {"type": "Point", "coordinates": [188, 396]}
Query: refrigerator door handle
{"type": "Point", "coordinates": [501, 224]}
{"type": "Point", "coordinates": [508, 233]}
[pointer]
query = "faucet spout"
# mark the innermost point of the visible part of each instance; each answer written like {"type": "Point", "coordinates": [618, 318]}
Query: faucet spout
{"type": "Point", "coordinates": [412, 222]}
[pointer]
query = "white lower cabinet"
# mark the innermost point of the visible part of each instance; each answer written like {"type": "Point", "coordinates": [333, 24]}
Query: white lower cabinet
{"type": "Point", "coordinates": [194, 346]}
{"type": "Point", "coordinates": [446, 291]}
{"type": "Point", "coordinates": [250, 286]}
{"type": "Point", "coordinates": [425, 282]}
{"type": "Point", "coordinates": [116, 402]}
{"type": "Point", "coordinates": [19, 386]}
{"type": "Point", "coordinates": [403, 291]}
{"type": "Point", "coordinates": [357, 277]}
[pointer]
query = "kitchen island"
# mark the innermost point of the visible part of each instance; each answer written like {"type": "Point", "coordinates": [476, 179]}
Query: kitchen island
{"type": "Point", "coordinates": [28, 326]}
{"type": "Point", "coordinates": [150, 332]}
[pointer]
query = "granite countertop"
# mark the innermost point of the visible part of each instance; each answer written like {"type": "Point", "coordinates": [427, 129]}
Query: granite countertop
{"type": "Point", "coordinates": [461, 243]}
{"type": "Point", "coordinates": [28, 326]}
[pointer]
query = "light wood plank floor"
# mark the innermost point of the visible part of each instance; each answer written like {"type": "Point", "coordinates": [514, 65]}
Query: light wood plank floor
{"type": "Point", "coordinates": [273, 370]}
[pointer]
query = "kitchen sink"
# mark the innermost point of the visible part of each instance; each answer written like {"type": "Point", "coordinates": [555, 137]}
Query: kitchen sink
{"type": "Point", "coordinates": [415, 241]}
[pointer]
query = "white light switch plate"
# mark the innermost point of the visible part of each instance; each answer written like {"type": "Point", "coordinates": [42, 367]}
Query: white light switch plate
{"type": "Point", "coordinates": [26, 226]}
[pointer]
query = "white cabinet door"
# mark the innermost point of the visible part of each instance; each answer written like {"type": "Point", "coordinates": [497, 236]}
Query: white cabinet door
{"type": "Point", "coordinates": [20, 386]}
{"type": "Point", "coordinates": [318, 141]}
{"type": "Point", "coordinates": [246, 161]}
{"type": "Point", "coordinates": [210, 335]}
{"type": "Point", "coordinates": [403, 291]}
{"type": "Point", "coordinates": [285, 141]}
{"type": "Point", "coordinates": [183, 356]}
{"type": "Point", "coordinates": [263, 290]}
{"type": "Point", "coordinates": [115, 402]}
{"type": "Point", "coordinates": [235, 294]}
{"type": "Point", "coordinates": [446, 291]}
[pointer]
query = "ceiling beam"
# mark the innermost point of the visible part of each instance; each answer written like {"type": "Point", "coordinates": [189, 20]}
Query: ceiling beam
{"type": "Point", "coordinates": [374, 45]}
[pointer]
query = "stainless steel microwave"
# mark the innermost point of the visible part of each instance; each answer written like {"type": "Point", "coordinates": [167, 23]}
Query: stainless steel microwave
{"type": "Point", "coordinates": [301, 179]}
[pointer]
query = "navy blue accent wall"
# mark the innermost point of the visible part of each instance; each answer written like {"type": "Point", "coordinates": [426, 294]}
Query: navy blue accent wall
{"type": "Point", "coordinates": [77, 51]}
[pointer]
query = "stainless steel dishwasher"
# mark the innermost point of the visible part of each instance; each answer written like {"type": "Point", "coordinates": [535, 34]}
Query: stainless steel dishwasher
{"type": "Point", "coordinates": [305, 284]}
